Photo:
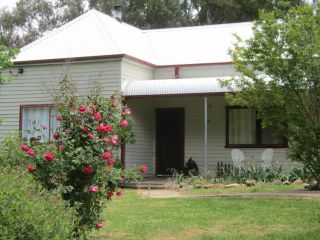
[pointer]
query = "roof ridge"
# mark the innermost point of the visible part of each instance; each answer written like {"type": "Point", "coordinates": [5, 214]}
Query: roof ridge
{"type": "Point", "coordinates": [219, 25]}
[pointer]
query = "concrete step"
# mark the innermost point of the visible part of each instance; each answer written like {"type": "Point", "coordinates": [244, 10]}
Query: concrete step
{"type": "Point", "coordinates": [144, 185]}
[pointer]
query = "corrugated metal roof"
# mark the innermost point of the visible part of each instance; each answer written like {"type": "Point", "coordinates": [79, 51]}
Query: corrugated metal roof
{"type": "Point", "coordinates": [173, 87]}
{"type": "Point", "coordinates": [97, 34]}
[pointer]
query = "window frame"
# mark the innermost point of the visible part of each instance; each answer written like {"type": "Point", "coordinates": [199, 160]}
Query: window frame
{"type": "Point", "coordinates": [21, 107]}
{"type": "Point", "coordinates": [258, 134]}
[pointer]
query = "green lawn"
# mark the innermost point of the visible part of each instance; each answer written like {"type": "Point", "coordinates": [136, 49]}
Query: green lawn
{"type": "Point", "coordinates": [133, 217]}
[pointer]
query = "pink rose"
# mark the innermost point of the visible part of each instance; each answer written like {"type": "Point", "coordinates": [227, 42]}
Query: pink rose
{"type": "Point", "coordinates": [143, 169]}
{"type": "Point", "coordinates": [90, 110]}
{"type": "Point", "coordinates": [127, 111]}
{"type": "Point", "coordinates": [93, 189]}
{"type": "Point", "coordinates": [24, 148]}
{"type": "Point", "coordinates": [60, 148]}
{"type": "Point", "coordinates": [31, 169]}
{"type": "Point", "coordinates": [115, 137]}
{"type": "Point", "coordinates": [100, 224]}
{"type": "Point", "coordinates": [82, 108]}
{"type": "Point", "coordinates": [97, 116]}
{"type": "Point", "coordinates": [48, 156]}
{"type": "Point", "coordinates": [124, 123]}
{"type": "Point", "coordinates": [87, 170]}
{"type": "Point", "coordinates": [31, 152]}
{"type": "Point", "coordinates": [58, 117]}
{"type": "Point", "coordinates": [112, 141]}
{"type": "Point", "coordinates": [90, 136]}
{"type": "Point", "coordinates": [43, 126]}
{"type": "Point", "coordinates": [106, 155]}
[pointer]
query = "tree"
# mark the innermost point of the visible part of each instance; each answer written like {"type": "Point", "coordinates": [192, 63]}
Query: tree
{"type": "Point", "coordinates": [29, 20]}
{"type": "Point", "coordinates": [149, 13]}
{"type": "Point", "coordinates": [216, 11]}
{"type": "Point", "coordinates": [280, 77]}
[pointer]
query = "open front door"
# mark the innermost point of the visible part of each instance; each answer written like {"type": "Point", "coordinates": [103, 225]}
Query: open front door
{"type": "Point", "coordinates": [169, 140]}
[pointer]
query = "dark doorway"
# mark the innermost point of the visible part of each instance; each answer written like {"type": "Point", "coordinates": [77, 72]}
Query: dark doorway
{"type": "Point", "coordinates": [169, 140]}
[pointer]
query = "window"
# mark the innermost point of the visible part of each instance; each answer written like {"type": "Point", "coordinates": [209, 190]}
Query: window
{"type": "Point", "coordinates": [38, 117]}
{"type": "Point", "coordinates": [243, 129]}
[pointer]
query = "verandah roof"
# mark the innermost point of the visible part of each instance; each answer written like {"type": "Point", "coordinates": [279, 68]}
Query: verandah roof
{"type": "Point", "coordinates": [164, 87]}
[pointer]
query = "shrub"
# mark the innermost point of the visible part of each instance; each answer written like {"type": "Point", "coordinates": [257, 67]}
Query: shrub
{"type": "Point", "coordinates": [9, 153]}
{"type": "Point", "coordinates": [80, 162]}
{"type": "Point", "coordinates": [28, 214]}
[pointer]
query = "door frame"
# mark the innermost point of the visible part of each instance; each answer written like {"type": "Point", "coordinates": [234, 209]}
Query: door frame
{"type": "Point", "coordinates": [157, 111]}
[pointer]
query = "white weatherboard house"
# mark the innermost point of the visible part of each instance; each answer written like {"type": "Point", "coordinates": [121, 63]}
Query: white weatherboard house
{"type": "Point", "coordinates": [169, 78]}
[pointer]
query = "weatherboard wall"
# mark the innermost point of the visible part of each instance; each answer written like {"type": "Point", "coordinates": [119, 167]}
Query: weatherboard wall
{"type": "Point", "coordinates": [195, 71]}
{"type": "Point", "coordinates": [31, 87]}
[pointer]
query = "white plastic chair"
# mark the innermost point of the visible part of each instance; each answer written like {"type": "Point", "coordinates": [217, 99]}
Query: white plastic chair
{"type": "Point", "coordinates": [266, 158]}
{"type": "Point", "coordinates": [237, 158]}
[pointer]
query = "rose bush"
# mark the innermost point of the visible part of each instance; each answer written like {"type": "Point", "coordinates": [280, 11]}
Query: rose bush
{"type": "Point", "coordinates": [79, 163]}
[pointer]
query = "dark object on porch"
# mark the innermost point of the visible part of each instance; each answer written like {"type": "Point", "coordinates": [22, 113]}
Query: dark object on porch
{"type": "Point", "coordinates": [224, 169]}
{"type": "Point", "coordinates": [191, 167]}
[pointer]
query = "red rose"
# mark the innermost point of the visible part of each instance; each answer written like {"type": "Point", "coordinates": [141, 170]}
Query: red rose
{"type": "Point", "coordinates": [93, 189]}
{"type": "Point", "coordinates": [82, 108]}
{"type": "Point", "coordinates": [58, 117]}
{"type": "Point", "coordinates": [85, 129]}
{"type": "Point", "coordinates": [90, 136]}
{"type": "Point", "coordinates": [87, 170]}
{"type": "Point", "coordinates": [111, 161]}
{"type": "Point", "coordinates": [106, 155]}
{"type": "Point", "coordinates": [113, 105]}
{"type": "Point", "coordinates": [97, 116]}
{"type": "Point", "coordinates": [124, 123]}
{"type": "Point", "coordinates": [110, 194]}
{"type": "Point", "coordinates": [143, 169]}
{"type": "Point", "coordinates": [31, 169]}
{"type": "Point", "coordinates": [24, 148]}
{"type": "Point", "coordinates": [119, 193]}
{"type": "Point", "coordinates": [103, 128]}
{"type": "Point", "coordinates": [100, 224]}
{"type": "Point", "coordinates": [31, 152]}
{"type": "Point", "coordinates": [48, 156]}
{"type": "Point", "coordinates": [56, 135]}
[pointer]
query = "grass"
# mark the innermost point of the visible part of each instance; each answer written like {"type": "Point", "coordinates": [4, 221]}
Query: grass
{"type": "Point", "coordinates": [257, 188]}
{"type": "Point", "coordinates": [133, 217]}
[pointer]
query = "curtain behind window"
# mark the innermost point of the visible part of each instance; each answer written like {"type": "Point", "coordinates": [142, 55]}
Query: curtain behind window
{"type": "Point", "coordinates": [242, 126]}
{"type": "Point", "coordinates": [38, 121]}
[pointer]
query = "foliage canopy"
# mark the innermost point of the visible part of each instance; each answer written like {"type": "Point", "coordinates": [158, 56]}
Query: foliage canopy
{"type": "Point", "coordinates": [280, 77]}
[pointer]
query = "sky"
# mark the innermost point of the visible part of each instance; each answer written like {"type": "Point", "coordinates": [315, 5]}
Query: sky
{"type": "Point", "coordinates": [7, 3]}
